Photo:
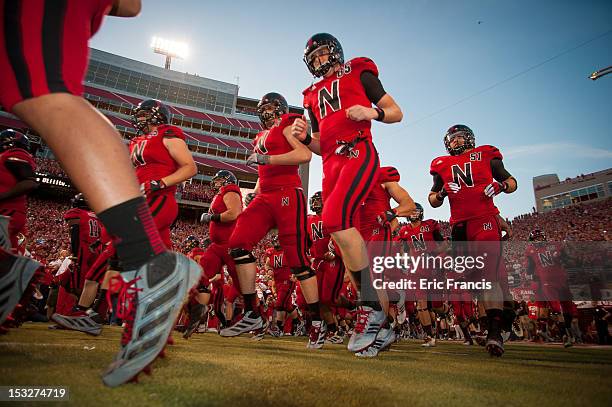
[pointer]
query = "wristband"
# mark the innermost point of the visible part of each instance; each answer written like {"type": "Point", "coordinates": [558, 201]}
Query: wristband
{"type": "Point", "coordinates": [216, 217]}
{"type": "Point", "coordinates": [307, 140]}
{"type": "Point", "coordinates": [381, 114]}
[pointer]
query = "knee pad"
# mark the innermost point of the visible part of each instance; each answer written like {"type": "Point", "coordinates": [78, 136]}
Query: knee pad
{"type": "Point", "coordinates": [303, 273]}
{"type": "Point", "coordinates": [242, 256]}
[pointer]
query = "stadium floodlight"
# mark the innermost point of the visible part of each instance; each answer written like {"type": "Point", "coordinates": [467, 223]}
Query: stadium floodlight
{"type": "Point", "coordinates": [602, 72]}
{"type": "Point", "coordinates": [171, 49]}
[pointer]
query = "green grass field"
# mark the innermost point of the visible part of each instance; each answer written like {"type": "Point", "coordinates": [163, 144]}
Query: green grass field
{"type": "Point", "coordinates": [210, 370]}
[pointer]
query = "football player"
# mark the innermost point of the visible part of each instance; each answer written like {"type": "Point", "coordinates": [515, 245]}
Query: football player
{"type": "Point", "coordinates": [377, 221]}
{"type": "Point", "coordinates": [423, 237]}
{"type": "Point", "coordinates": [280, 203]}
{"type": "Point", "coordinates": [544, 263]}
{"type": "Point", "coordinates": [341, 113]}
{"type": "Point", "coordinates": [17, 179]}
{"type": "Point", "coordinates": [328, 266]}
{"type": "Point", "coordinates": [471, 177]}
{"type": "Point", "coordinates": [283, 286]}
{"type": "Point", "coordinates": [43, 60]}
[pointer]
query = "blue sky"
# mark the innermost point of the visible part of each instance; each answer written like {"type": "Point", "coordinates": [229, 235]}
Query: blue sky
{"type": "Point", "coordinates": [431, 54]}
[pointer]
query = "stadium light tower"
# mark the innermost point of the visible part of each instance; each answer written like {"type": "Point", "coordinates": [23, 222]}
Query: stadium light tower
{"type": "Point", "coordinates": [171, 49]}
{"type": "Point", "coordinates": [602, 72]}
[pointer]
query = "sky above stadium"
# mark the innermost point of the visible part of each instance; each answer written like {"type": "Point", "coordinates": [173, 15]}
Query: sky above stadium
{"type": "Point", "coordinates": [515, 72]}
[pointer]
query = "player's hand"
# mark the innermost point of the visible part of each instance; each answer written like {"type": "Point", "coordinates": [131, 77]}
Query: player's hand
{"type": "Point", "coordinates": [360, 113]}
{"type": "Point", "coordinates": [149, 187]}
{"type": "Point", "coordinates": [257, 159]}
{"type": "Point", "coordinates": [329, 256]}
{"type": "Point", "coordinates": [206, 217]}
{"type": "Point", "coordinates": [453, 187]}
{"type": "Point", "coordinates": [386, 217]}
{"type": "Point", "coordinates": [299, 128]}
{"type": "Point", "coordinates": [494, 188]}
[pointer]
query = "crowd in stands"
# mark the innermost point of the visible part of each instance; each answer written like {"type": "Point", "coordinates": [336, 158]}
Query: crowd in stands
{"type": "Point", "coordinates": [49, 166]}
{"type": "Point", "coordinates": [196, 192]}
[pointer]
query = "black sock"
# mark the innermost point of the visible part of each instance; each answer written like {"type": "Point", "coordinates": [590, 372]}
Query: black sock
{"type": "Point", "coordinates": [494, 317]}
{"type": "Point", "coordinates": [249, 304]}
{"type": "Point", "coordinates": [134, 232]}
{"type": "Point", "coordinates": [99, 298]}
{"type": "Point", "coordinates": [81, 308]}
{"type": "Point", "coordinates": [315, 311]}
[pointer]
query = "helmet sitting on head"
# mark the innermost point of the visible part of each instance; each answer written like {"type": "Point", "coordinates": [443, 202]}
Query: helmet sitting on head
{"type": "Point", "coordinates": [417, 215]}
{"type": "Point", "coordinates": [271, 107]}
{"type": "Point", "coordinates": [150, 112]}
{"type": "Point", "coordinates": [191, 242]}
{"type": "Point", "coordinates": [78, 201]}
{"type": "Point", "coordinates": [13, 139]}
{"type": "Point", "coordinates": [315, 45]}
{"type": "Point", "coordinates": [469, 141]}
{"type": "Point", "coordinates": [316, 202]}
{"type": "Point", "coordinates": [223, 178]}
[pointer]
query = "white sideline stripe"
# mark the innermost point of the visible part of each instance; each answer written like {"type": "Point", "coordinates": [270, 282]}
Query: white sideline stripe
{"type": "Point", "coordinates": [40, 344]}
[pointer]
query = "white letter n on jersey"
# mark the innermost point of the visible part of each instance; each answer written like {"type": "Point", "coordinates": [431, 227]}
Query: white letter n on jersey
{"type": "Point", "coordinates": [137, 155]}
{"type": "Point", "coordinates": [463, 174]}
{"type": "Point", "coordinates": [331, 99]}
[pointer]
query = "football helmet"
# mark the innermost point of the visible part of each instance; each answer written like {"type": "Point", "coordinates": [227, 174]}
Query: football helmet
{"type": "Point", "coordinates": [417, 215]}
{"type": "Point", "coordinates": [13, 139]}
{"type": "Point", "coordinates": [271, 99]}
{"type": "Point", "coordinates": [316, 202]}
{"type": "Point", "coordinates": [316, 42]}
{"type": "Point", "coordinates": [223, 178]}
{"type": "Point", "coordinates": [150, 112]}
{"type": "Point", "coordinates": [469, 141]}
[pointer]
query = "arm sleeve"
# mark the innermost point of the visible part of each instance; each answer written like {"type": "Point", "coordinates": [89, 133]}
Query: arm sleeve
{"type": "Point", "coordinates": [499, 172]}
{"type": "Point", "coordinates": [74, 239]}
{"type": "Point", "coordinates": [373, 88]}
{"type": "Point", "coordinates": [314, 124]}
{"type": "Point", "coordinates": [21, 170]}
{"type": "Point", "coordinates": [438, 183]}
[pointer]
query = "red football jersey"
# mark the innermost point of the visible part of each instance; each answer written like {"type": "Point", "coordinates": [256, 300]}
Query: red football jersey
{"type": "Point", "coordinates": [150, 156]}
{"type": "Point", "coordinates": [318, 236]}
{"type": "Point", "coordinates": [545, 259]}
{"type": "Point", "coordinates": [378, 200]}
{"type": "Point", "coordinates": [330, 97]}
{"type": "Point", "coordinates": [8, 180]}
{"type": "Point", "coordinates": [274, 142]}
{"type": "Point", "coordinates": [278, 264]}
{"type": "Point", "coordinates": [220, 232]}
{"type": "Point", "coordinates": [420, 238]}
{"type": "Point", "coordinates": [90, 233]}
{"type": "Point", "coordinates": [472, 171]}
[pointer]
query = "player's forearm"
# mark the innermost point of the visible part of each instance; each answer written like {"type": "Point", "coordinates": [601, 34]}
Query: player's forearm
{"type": "Point", "coordinates": [182, 174]}
{"type": "Point", "coordinates": [434, 200]}
{"type": "Point", "coordinates": [392, 113]}
{"type": "Point", "coordinates": [512, 185]}
{"type": "Point", "coordinates": [294, 157]}
{"type": "Point", "coordinates": [229, 215]}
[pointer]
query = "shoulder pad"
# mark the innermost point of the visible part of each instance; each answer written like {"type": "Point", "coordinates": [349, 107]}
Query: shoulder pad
{"type": "Point", "coordinates": [490, 152]}
{"type": "Point", "coordinates": [168, 130]}
{"type": "Point", "coordinates": [361, 64]}
{"type": "Point", "coordinates": [74, 213]}
{"type": "Point", "coordinates": [230, 188]}
{"type": "Point", "coordinates": [388, 174]}
{"type": "Point", "coordinates": [436, 163]}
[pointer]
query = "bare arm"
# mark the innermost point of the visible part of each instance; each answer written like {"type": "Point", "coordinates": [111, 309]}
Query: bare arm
{"type": "Point", "coordinates": [182, 156]}
{"type": "Point", "coordinates": [402, 197]}
{"type": "Point", "coordinates": [234, 207]}
{"type": "Point", "coordinates": [125, 8]}
{"type": "Point", "coordinates": [299, 130]}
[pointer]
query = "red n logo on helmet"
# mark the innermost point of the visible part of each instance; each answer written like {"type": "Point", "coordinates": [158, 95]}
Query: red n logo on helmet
{"type": "Point", "coordinates": [329, 100]}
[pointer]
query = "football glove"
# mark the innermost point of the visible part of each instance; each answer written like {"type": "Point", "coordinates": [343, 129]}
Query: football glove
{"type": "Point", "coordinates": [386, 217]}
{"type": "Point", "coordinates": [257, 159]}
{"type": "Point", "coordinates": [495, 188]}
{"type": "Point", "coordinates": [149, 187]}
{"type": "Point", "coordinates": [454, 188]}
